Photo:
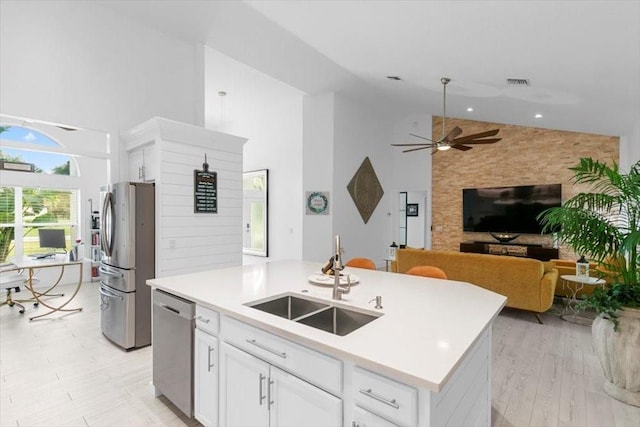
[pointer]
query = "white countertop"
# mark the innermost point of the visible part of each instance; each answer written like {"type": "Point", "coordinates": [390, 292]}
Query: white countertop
{"type": "Point", "coordinates": [427, 327]}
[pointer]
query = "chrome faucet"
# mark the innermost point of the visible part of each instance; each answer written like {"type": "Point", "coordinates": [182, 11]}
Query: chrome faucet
{"type": "Point", "coordinates": [338, 290]}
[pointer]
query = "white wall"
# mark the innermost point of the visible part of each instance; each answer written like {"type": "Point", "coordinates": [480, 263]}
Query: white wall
{"type": "Point", "coordinates": [268, 113]}
{"type": "Point", "coordinates": [360, 132]}
{"type": "Point", "coordinates": [76, 63]}
{"type": "Point", "coordinates": [317, 174]}
{"type": "Point", "coordinates": [630, 148]}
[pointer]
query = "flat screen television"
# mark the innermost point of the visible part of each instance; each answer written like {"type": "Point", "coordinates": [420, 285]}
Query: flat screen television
{"type": "Point", "coordinates": [508, 209]}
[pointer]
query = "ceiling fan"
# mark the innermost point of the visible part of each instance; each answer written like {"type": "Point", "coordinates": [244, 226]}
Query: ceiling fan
{"type": "Point", "coordinates": [453, 138]}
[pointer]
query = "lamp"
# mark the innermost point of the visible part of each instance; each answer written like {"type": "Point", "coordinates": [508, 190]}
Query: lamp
{"type": "Point", "coordinates": [444, 147]}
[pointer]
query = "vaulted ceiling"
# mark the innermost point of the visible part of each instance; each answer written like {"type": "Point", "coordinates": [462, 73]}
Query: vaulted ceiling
{"type": "Point", "coordinates": [581, 58]}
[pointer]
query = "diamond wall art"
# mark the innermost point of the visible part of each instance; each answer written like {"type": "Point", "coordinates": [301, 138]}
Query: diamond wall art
{"type": "Point", "coordinates": [365, 190]}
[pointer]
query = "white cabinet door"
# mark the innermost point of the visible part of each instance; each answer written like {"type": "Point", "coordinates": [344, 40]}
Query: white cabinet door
{"type": "Point", "coordinates": [364, 418]}
{"type": "Point", "coordinates": [296, 403]}
{"type": "Point", "coordinates": [205, 380]}
{"type": "Point", "coordinates": [243, 389]}
{"type": "Point", "coordinates": [142, 163]}
{"type": "Point", "coordinates": [135, 165]}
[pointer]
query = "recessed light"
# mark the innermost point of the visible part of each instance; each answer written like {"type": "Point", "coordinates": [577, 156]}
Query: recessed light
{"type": "Point", "coordinates": [469, 109]}
{"type": "Point", "coordinates": [538, 116]}
{"type": "Point", "coordinates": [394, 78]}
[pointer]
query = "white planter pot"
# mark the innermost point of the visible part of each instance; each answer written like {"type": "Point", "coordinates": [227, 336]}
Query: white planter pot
{"type": "Point", "coordinates": [619, 354]}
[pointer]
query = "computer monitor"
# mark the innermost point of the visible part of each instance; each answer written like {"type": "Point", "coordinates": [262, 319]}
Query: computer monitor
{"type": "Point", "coordinates": [52, 239]}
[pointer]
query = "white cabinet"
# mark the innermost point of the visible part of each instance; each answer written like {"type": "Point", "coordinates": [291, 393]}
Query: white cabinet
{"type": "Point", "coordinates": [206, 366]}
{"type": "Point", "coordinates": [255, 393]}
{"type": "Point", "coordinates": [205, 382]}
{"type": "Point", "coordinates": [394, 401]}
{"type": "Point", "coordinates": [364, 418]}
{"type": "Point", "coordinates": [142, 163]}
{"type": "Point", "coordinates": [298, 403]}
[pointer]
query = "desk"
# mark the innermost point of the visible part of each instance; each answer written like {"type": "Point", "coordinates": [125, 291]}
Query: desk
{"type": "Point", "coordinates": [30, 265]}
{"type": "Point", "coordinates": [580, 281]}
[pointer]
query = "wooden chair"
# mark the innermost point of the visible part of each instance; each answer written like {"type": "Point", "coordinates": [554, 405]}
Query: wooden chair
{"type": "Point", "coordinates": [427, 271]}
{"type": "Point", "coordinates": [361, 263]}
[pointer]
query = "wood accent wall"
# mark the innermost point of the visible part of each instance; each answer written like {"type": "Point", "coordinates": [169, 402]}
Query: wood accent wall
{"type": "Point", "coordinates": [524, 156]}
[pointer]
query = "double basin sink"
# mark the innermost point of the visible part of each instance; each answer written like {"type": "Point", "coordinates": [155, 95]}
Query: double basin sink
{"type": "Point", "coordinates": [330, 318]}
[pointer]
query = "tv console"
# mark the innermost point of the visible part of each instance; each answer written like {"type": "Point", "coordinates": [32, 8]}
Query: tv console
{"type": "Point", "coordinates": [512, 249]}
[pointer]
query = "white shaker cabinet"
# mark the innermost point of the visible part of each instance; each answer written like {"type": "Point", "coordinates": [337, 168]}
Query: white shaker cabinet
{"type": "Point", "coordinates": [206, 367]}
{"type": "Point", "coordinates": [364, 418]}
{"type": "Point", "coordinates": [297, 403]}
{"type": "Point", "coordinates": [205, 378]}
{"type": "Point", "coordinates": [255, 393]}
{"type": "Point", "coordinates": [142, 163]}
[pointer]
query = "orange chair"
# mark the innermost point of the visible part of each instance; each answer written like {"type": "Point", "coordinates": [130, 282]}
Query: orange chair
{"type": "Point", "coordinates": [361, 263]}
{"type": "Point", "coordinates": [427, 271]}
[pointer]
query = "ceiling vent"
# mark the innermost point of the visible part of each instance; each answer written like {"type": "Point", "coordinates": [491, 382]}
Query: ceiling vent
{"type": "Point", "coordinates": [518, 82]}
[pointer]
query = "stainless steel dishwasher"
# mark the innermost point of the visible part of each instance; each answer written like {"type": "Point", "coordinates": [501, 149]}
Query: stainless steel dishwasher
{"type": "Point", "coordinates": [172, 344]}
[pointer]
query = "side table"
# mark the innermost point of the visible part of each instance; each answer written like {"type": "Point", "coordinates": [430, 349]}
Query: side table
{"type": "Point", "coordinates": [570, 314]}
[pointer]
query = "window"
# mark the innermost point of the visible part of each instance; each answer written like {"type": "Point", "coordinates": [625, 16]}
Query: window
{"type": "Point", "coordinates": [24, 210]}
{"type": "Point", "coordinates": [35, 152]}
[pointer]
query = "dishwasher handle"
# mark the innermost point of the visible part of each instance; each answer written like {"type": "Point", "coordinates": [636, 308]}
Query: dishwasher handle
{"type": "Point", "coordinates": [173, 305]}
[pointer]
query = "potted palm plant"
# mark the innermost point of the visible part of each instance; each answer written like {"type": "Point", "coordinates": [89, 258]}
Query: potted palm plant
{"type": "Point", "coordinates": [603, 223]}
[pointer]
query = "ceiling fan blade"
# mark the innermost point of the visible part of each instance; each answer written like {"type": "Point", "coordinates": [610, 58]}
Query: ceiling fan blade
{"type": "Point", "coordinates": [410, 145]}
{"type": "Point", "coordinates": [421, 137]}
{"type": "Point", "coordinates": [477, 135]}
{"type": "Point", "coordinates": [453, 134]}
{"type": "Point", "coordinates": [415, 149]}
{"type": "Point", "coordinates": [461, 147]}
{"type": "Point", "coordinates": [482, 141]}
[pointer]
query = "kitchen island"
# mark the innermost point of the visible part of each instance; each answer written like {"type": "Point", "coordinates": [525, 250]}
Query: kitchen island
{"type": "Point", "coordinates": [424, 360]}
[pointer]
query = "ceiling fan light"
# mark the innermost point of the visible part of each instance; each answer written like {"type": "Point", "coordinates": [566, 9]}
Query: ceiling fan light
{"type": "Point", "coordinates": [444, 147]}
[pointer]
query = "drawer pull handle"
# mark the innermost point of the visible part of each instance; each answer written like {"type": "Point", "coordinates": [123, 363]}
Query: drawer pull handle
{"type": "Point", "coordinates": [203, 319]}
{"type": "Point", "coordinates": [372, 395]}
{"type": "Point", "coordinates": [265, 348]}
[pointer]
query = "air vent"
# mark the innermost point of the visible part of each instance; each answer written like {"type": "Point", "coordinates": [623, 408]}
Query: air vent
{"type": "Point", "coordinates": [518, 82]}
{"type": "Point", "coordinates": [394, 78]}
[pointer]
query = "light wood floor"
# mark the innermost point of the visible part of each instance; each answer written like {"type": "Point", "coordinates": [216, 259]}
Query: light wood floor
{"type": "Point", "coordinates": [63, 372]}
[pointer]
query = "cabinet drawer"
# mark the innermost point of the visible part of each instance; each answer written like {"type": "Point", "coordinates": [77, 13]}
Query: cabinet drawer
{"type": "Point", "coordinates": [319, 369]}
{"type": "Point", "coordinates": [390, 399]}
{"type": "Point", "coordinates": [207, 320]}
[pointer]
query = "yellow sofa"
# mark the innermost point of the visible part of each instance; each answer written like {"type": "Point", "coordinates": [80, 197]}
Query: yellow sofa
{"type": "Point", "coordinates": [528, 284]}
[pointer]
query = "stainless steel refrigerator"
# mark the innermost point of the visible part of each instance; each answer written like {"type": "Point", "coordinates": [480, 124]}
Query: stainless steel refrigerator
{"type": "Point", "coordinates": [127, 233]}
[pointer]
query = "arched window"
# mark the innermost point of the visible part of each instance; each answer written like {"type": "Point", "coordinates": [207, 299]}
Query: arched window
{"type": "Point", "coordinates": [38, 155]}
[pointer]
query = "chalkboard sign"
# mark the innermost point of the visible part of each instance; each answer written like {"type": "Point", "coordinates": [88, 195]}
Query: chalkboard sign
{"type": "Point", "coordinates": [205, 191]}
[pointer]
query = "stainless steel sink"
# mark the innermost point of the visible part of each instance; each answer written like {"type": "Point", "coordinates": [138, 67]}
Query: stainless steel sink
{"type": "Point", "coordinates": [290, 307]}
{"type": "Point", "coordinates": [339, 321]}
{"type": "Point", "coordinates": [330, 318]}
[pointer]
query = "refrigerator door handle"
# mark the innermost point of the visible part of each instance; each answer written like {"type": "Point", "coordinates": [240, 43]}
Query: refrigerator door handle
{"type": "Point", "coordinates": [109, 294]}
{"type": "Point", "coordinates": [104, 270]}
{"type": "Point", "coordinates": [108, 224]}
